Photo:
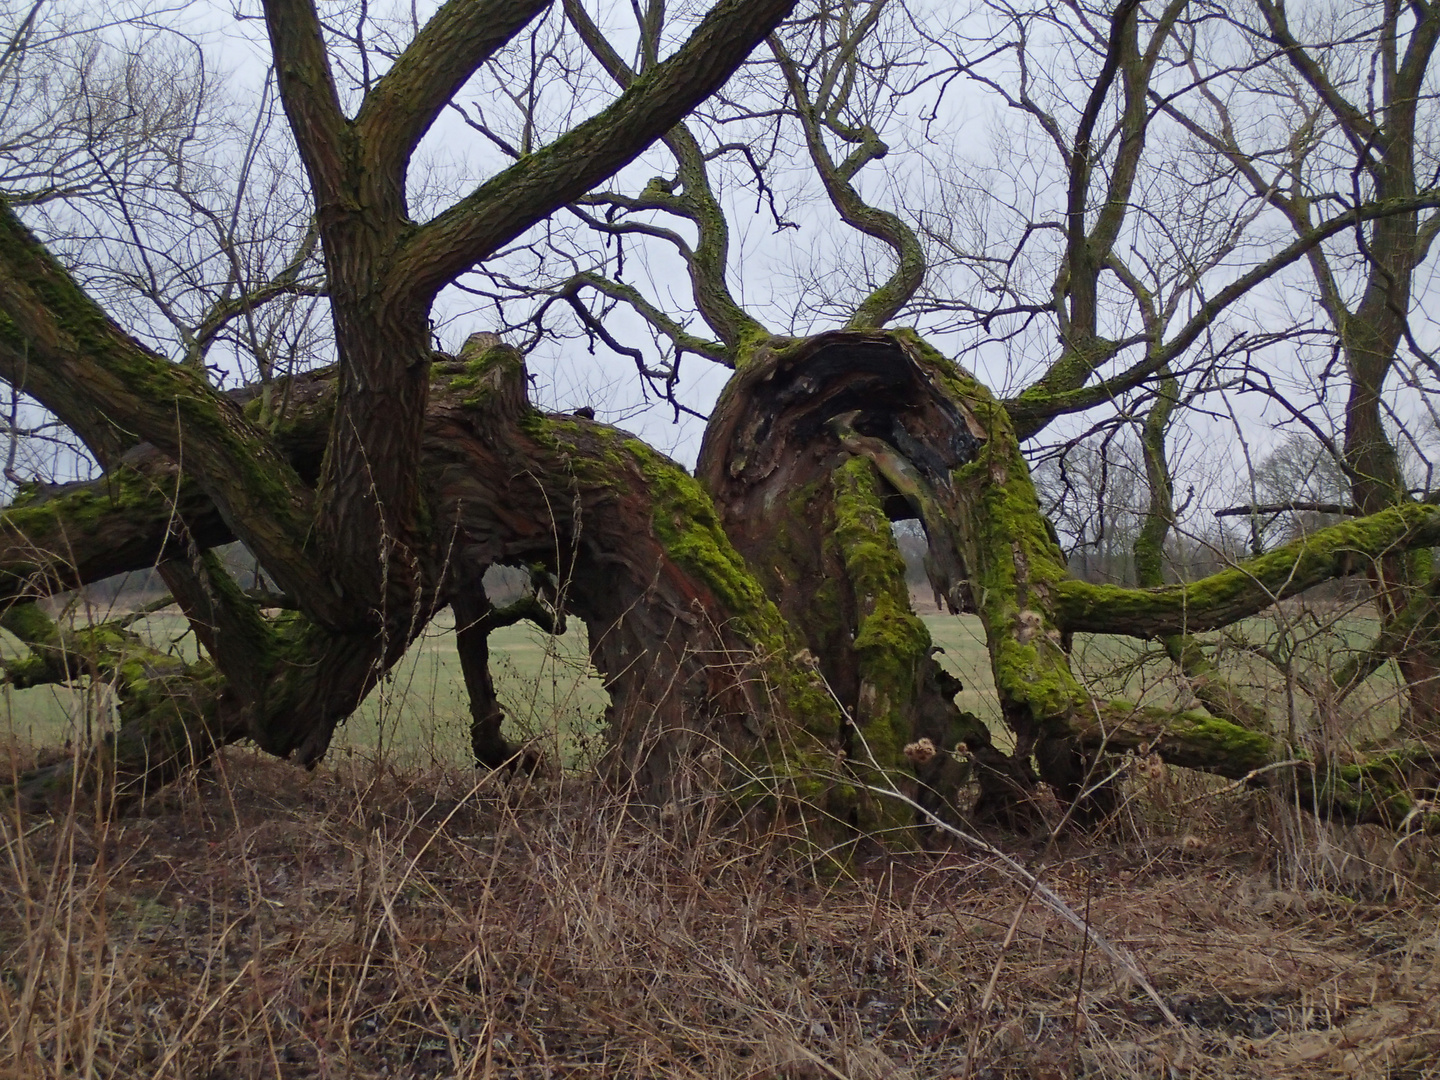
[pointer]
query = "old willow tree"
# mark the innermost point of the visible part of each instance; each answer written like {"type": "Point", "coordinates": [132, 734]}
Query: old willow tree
{"type": "Point", "coordinates": [1129, 261]}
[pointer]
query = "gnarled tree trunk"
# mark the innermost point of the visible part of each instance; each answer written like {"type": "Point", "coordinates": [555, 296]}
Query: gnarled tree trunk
{"type": "Point", "coordinates": [735, 617]}
{"type": "Point", "coordinates": [697, 660]}
{"type": "Point", "coordinates": [814, 448]}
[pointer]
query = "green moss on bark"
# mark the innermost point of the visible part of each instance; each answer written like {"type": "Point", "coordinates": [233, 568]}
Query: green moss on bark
{"type": "Point", "coordinates": [799, 751]}
{"type": "Point", "coordinates": [1016, 570]}
{"type": "Point", "coordinates": [891, 642]}
{"type": "Point", "coordinates": [1250, 586]}
{"type": "Point", "coordinates": [687, 526]}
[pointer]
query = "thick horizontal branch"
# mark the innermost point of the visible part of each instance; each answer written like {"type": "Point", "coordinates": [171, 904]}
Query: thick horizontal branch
{"type": "Point", "coordinates": [128, 520]}
{"type": "Point", "coordinates": [144, 510]}
{"type": "Point", "coordinates": [59, 654]}
{"type": "Point", "coordinates": [1193, 740]}
{"type": "Point", "coordinates": [1251, 586]}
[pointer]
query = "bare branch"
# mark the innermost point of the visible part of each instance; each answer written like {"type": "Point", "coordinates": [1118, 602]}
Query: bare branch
{"type": "Point", "coordinates": [886, 301]}
{"type": "Point", "coordinates": [405, 101]}
{"type": "Point", "coordinates": [1299, 506]}
{"type": "Point", "coordinates": [708, 261]}
{"type": "Point", "coordinates": [507, 205]}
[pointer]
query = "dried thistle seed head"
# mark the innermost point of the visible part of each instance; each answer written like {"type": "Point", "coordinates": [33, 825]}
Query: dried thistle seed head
{"type": "Point", "coordinates": [920, 751]}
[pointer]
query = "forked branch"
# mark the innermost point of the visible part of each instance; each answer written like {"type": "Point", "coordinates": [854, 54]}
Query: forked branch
{"type": "Point", "coordinates": [817, 116]}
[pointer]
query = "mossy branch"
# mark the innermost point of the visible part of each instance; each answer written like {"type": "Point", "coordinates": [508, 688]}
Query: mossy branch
{"type": "Point", "coordinates": [63, 537]}
{"type": "Point", "coordinates": [58, 655]}
{"type": "Point", "coordinates": [1248, 587]}
{"type": "Point", "coordinates": [1390, 787]}
{"type": "Point", "coordinates": [885, 301]}
{"type": "Point", "coordinates": [170, 713]}
{"type": "Point", "coordinates": [60, 346]}
{"type": "Point", "coordinates": [525, 193]}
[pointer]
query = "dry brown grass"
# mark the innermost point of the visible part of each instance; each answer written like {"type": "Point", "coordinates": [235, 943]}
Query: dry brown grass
{"type": "Point", "coordinates": [356, 922]}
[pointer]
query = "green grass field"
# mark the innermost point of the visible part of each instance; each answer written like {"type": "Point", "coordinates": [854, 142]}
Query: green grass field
{"type": "Point", "coordinates": [420, 714]}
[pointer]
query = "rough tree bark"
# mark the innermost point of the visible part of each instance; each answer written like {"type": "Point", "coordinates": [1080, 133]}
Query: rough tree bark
{"type": "Point", "coordinates": [749, 627]}
{"type": "Point", "coordinates": [815, 447]}
{"type": "Point", "coordinates": [801, 456]}
{"type": "Point", "coordinates": [698, 663]}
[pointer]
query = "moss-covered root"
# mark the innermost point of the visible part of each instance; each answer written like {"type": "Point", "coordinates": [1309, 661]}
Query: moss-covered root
{"type": "Point", "coordinates": [174, 724]}
{"type": "Point", "coordinates": [1397, 788]}
{"type": "Point", "coordinates": [169, 712]}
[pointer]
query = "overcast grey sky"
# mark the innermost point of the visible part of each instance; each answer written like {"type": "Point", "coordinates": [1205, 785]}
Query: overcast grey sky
{"type": "Point", "coordinates": [964, 167]}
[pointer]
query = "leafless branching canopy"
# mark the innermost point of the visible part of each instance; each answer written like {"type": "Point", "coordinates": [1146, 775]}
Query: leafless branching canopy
{"type": "Point", "coordinates": [1126, 304]}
